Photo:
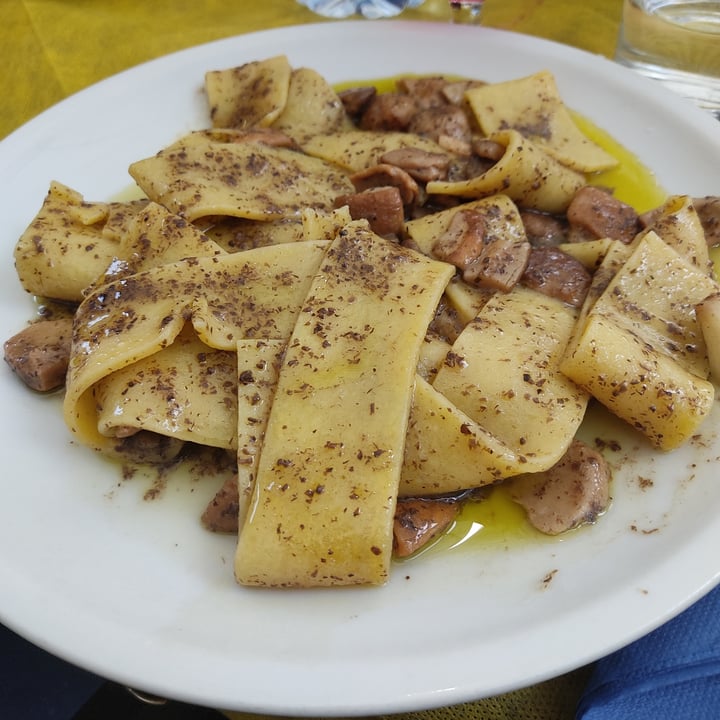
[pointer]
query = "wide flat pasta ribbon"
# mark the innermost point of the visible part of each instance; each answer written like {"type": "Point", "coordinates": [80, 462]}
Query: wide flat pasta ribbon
{"type": "Point", "coordinates": [525, 172]}
{"type": "Point", "coordinates": [207, 174]}
{"type": "Point", "coordinates": [532, 105]}
{"type": "Point", "coordinates": [226, 298]}
{"type": "Point", "coordinates": [638, 347]}
{"type": "Point", "coordinates": [324, 497]}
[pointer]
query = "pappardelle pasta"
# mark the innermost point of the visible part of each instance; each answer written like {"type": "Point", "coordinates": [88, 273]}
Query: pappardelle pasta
{"type": "Point", "coordinates": [379, 303]}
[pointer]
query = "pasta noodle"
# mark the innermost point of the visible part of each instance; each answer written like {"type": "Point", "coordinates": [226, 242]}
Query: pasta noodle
{"type": "Point", "coordinates": [70, 243]}
{"type": "Point", "coordinates": [324, 497]}
{"type": "Point", "coordinates": [503, 371]}
{"type": "Point", "coordinates": [533, 107]}
{"type": "Point", "coordinates": [203, 175]}
{"type": "Point", "coordinates": [226, 298]}
{"type": "Point", "coordinates": [639, 349]}
{"type": "Point", "coordinates": [525, 173]}
{"type": "Point", "coordinates": [252, 95]}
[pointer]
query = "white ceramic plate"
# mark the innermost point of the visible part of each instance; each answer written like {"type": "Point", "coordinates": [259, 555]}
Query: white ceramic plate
{"type": "Point", "coordinates": [136, 591]}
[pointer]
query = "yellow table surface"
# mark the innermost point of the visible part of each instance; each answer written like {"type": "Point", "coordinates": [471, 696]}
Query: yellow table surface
{"type": "Point", "coordinates": [53, 48]}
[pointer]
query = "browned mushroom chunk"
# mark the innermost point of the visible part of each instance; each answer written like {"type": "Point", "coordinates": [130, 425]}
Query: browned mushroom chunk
{"type": "Point", "coordinates": [708, 210]}
{"type": "Point", "coordinates": [148, 448]}
{"type": "Point", "coordinates": [420, 164]}
{"type": "Point", "coordinates": [355, 100]}
{"type": "Point", "coordinates": [489, 261]}
{"type": "Point", "coordinates": [427, 92]}
{"type": "Point", "coordinates": [454, 90]}
{"type": "Point", "coordinates": [544, 230]}
{"type": "Point", "coordinates": [40, 353]}
{"type": "Point", "coordinates": [447, 125]}
{"type": "Point", "coordinates": [265, 136]}
{"type": "Point", "coordinates": [385, 174]}
{"type": "Point", "coordinates": [382, 207]}
{"type": "Point", "coordinates": [418, 521]}
{"type": "Point", "coordinates": [488, 149]}
{"type": "Point", "coordinates": [463, 240]}
{"type": "Point", "coordinates": [557, 274]}
{"type": "Point", "coordinates": [221, 513]}
{"type": "Point", "coordinates": [388, 111]}
{"type": "Point", "coordinates": [596, 213]}
{"type": "Point", "coordinates": [575, 491]}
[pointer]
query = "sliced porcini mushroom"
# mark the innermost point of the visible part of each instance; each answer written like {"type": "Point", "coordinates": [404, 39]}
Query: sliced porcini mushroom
{"type": "Point", "coordinates": [500, 266]}
{"type": "Point", "coordinates": [418, 521]}
{"type": "Point", "coordinates": [148, 448]}
{"type": "Point", "coordinates": [388, 111]}
{"type": "Point", "coordinates": [454, 90]}
{"type": "Point", "coordinates": [708, 317]}
{"type": "Point", "coordinates": [488, 261]}
{"type": "Point", "coordinates": [557, 274]}
{"type": "Point", "coordinates": [385, 174]}
{"type": "Point", "coordinates": [444, 123]}
{"type": "Point", "coordinates": [575, 491]}
{"type": "Point", "coordinates": [221, 513]}
{"type": "Point", "coordinates": [39, 354]}
{"type": "Point", "coordinates": [382, 207]}
{"type": "Point", "coordinates": [420, 164]}
{"type": "Point", "coordinates": [464, 239]}
{"type": "Point", "coordinates": [543, 229]}
{"type": "Point", "coordinates": [596, 213]}
{"type": "Point", "coordinates": [708, 210]}
{"type": "Point", "coordinates": [428, 92]}
{"type": "Point", "coordinates": [488, 149]}
{"type": "Point", "coordinates": [355, 100]}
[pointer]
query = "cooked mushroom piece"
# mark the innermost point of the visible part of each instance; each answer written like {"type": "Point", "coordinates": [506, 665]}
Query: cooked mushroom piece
{"type": "Point", "coordinates": [464, 239]}
{"type": "Point", "coordinates": [708, 210]}
{"type": "Point", "coordinates": [557, 274]}
{"type": "Point", "coordinates": [388, 111]}
{"type": "Point", "coordinates": [489, 261]}
{"type": "Point", "coordinates": [708, 316]}
{"type": "Point", "coordinates": [488, 149]}
{"type": "Point", "coordinates": [418, 521]}
{"type": "Point", "coordinates": [426, 91]}
{"type": "Point", "coordinates": [575, 491]}
{"type": "Point", "coordinates": [382, 207]}
{"type": "Point", "coordinates": [265, 136]}
{"type": "Point", "coordinates": [355, 100]}
{"type": "Point", "coordinates": [385, 174]}
{"type": "Point", "coordinates": [447, 125]}
{"type": "Point", "coordinates": [221, 513]}
{"type": "Point", "coordinates": [39, 354]}
{"type": "Point", "coordinates": [596, 213]}
{"type": "Point", "coordinates": [148, 448]}
{"type": "Point", "coordinates": [544, 230]}
{"type": "Point", "coordinates": [422, 165]}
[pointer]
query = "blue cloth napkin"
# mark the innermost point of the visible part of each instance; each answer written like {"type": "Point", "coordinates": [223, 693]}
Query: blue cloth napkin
{"type": "Point", "coordinates": [35, 685]}
{"type": "Point", "coordinates": [674, 672]}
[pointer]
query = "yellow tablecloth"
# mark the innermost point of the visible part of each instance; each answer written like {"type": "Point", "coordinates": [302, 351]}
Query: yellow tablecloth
{"type": "Point", "coordinates": [53, 48]}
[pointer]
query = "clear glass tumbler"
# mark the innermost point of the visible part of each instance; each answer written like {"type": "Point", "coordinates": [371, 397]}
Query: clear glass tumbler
{"type": "Point", "coordinates": [676, 42]}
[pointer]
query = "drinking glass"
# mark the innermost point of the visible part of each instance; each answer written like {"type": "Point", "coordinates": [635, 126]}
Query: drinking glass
{"type": "Point", "coordinates": [676, 42]}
